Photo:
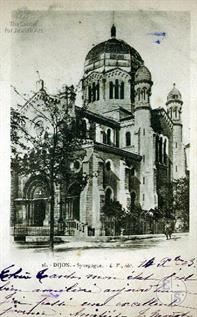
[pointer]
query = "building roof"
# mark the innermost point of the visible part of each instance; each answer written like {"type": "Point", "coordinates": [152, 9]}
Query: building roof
{"type": "Point", "coordinates": [174, 94]}
{"type": "Point", "coordinates": [115, 150]}
{"type": "Point", "coordinates": [115, 47]}
{"type": "Point", "coordinates": [142, 74]}
{"type": "Point", "coordinates": [160, 121]}
{"type": "Point", "coordinates": [99, 118]}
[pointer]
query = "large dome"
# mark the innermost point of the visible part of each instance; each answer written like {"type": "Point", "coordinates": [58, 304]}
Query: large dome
{"type": "Point", "coordinates": [112, 52]}
{"type": "Point", "coordinates": [114, 46]}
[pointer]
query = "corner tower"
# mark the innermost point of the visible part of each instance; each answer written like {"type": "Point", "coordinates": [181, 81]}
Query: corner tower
{"type": "Point", "coordinates": [144, 137]}
{"type": "Point", "coordinates": [174, 109]}
{"type": "Point", "coordinates": [109, 71]}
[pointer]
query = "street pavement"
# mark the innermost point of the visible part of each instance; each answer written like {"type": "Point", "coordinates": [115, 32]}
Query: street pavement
{"type": "Point", "coordinates": [132, 243]}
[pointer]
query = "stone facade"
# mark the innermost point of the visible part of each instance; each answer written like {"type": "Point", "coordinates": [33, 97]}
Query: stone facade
{"type": "Point", "coordinates": [132, 150]}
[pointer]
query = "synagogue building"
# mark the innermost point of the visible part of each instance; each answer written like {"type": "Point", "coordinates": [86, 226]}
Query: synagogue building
{"type": "Point", "coordinates": [133, 151]}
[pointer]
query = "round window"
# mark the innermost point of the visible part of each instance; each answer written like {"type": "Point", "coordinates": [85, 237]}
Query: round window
{"type": "Point", "coordinates": [77, 165]}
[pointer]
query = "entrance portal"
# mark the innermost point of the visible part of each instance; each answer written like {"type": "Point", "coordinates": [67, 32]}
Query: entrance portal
{"type": "Point", "coordinates": [39, 209]}
{"type": "Point", "coordinates": [73, 202]}
{"type": "Point", "coordinates": [37, 193]}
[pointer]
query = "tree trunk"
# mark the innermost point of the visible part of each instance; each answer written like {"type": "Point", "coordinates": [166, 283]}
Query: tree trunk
{"type": "Point", "coordinates": [52, 190]}
{"type": "Point", "coordinates": [52, 215]}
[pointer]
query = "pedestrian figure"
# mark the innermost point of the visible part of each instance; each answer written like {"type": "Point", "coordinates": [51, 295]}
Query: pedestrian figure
{"type": "Point", "coordinates": [122, 232]}
{"type": "Point", "coordinates": [168, 230]}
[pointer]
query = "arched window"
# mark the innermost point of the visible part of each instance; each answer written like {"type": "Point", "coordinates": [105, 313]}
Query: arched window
{"type": "Point", "coordinates": [138, 94]}
{"type": "Point", "coordinates": [93, 92]}
{"type": "Point", "coordinates": [97, 91]}
{"type": "Point", "coordinates": [157, 149]}
{"type": "Point", "coordinates": [104, 137]}
{"type": "Point", "coordinates": [92, 131]}
{"type": "Point", "coordinates": [83, 129]}
{"type": "Point", "coordinates": [89, 93]}
{"type": "Point", "coordinates": [72, 203]}
{"type": "Point", "coordinates": [144, 93]}
{"type": "Point", "coordinates": [108, 195]}
{"type": "Point", "coordinates": [111, 88]}
{"type": "Point", "coordinates": [108, 136]}
{"type": "Point", "coordinates": [175, 110]}
{"type": "Point", "coordinates": [128, 138]}
{"type": "Point", "coordinates": [122, 90]}
{"type": "Point", "coordinates": [160, 150]}
{"type": "Point", "coordinates": [37, 192]}
{"type": "Point", "coordinates": [132, 172]}
{"type": "Point", "coordinates": [116, 89]}
{"type": "Point", "coordinates": [165, 154]}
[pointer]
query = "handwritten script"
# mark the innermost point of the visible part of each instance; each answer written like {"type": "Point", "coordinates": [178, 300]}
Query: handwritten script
{"type": "Point", "coordinates": [163, 287]}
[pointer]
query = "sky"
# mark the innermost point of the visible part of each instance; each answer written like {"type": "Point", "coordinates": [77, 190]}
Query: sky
{"type": "Point", "coordinates": [61, 40]}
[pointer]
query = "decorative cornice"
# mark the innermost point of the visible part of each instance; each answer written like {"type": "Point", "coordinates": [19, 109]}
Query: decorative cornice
{"type": "Point", "coordinates": [118, 151]}
{"type": "Point", "coordinates": [143, 81]}
{"type": "Point", "coordinates": [174, 101]}
{"type": "Point", "coordinates": [106, 73]}
{"type": "Point", "coordinates": [118, 69]}
{"type": "Point", "coordinates": [94, 74]}
{"type": "Point", "coordinates": [127, 118]}
{"type": "Point", "coordinates": [177, 123]}
{"type": "Point", "coordinates": [142, 107]}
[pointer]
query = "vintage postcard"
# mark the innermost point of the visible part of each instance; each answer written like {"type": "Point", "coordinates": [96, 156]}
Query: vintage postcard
{"type": "Point", "coordinates": [98, 158]}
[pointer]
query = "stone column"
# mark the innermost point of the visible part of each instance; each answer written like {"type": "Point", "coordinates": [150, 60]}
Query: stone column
{"type": "Point", "coordinates": [104, 88]}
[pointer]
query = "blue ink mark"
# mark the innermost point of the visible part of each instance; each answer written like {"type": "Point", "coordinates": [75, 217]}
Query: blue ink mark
{"type": "Point", "coordinates": [163, 34]}
{"type": "Point", "coordinates": [54, 295]}
{"type": "Point", "coordinates": [160, 36]}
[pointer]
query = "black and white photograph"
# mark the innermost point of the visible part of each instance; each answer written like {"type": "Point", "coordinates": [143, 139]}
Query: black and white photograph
{"type": "Point", "coordinates": [100, 133]}
{"type": "Point", "coordinates": [99, 219]}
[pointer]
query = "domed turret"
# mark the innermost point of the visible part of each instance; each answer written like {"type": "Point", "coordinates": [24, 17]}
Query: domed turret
{"type": "Point", "coordinates": [173, 95]}
{"type": "Point", "coordinates": [143, 85]}
{"type": "Point", "coordinates": [143, 74]}
{"type": "Point", "coordinates": [174, 104]}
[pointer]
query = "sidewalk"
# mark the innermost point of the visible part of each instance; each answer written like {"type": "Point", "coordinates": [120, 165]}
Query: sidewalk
{"type": "Point", "coordinates": [72, 242]}
{"type": "Point", "coordinates": [114, 242]}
